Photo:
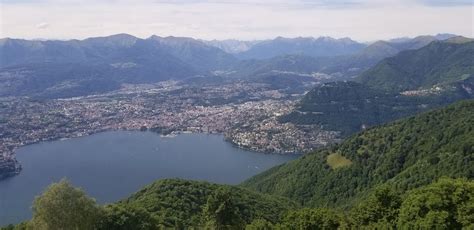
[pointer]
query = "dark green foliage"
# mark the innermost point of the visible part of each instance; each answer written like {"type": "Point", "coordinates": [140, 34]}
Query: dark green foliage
{"type": "Point", "coordinates": [350, 107]}
{"type": "Point", "coordinates": [408, 153]}
{"type": "Point", "coordinates": [260, 224]}
{"type": "Point", "coordinates": [440, 62]}
{"type": "Point", "coordinates": [313, 219]}
{"type": "Point", "coordinates": [176, 202]}
{"type": "Point", "coordinates": [119, 217]}
{"type": "Point", "coordinates": [221, 212]}
{"type": "Point", "coordinates": [379, 209]}
{"type": "Point", "coordinates": [446, 204]}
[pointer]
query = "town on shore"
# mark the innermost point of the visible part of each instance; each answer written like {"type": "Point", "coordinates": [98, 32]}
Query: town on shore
{"type": "Point", "coordinates": [245, 113]}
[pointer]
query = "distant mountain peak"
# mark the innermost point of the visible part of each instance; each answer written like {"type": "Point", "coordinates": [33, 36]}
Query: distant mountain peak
{"type": "Point", "coordinates": [232, 46]}
{"type": "Point", "coordinates": [122, 39]}
{"type": "Point", "coordinates": [121, 36]}
{"type": "Point", "coordinates": [458, 40]}
{"type": "Point", "coordinates": [444, 36]}
{"type": "Point", "coordinates": [326, 39]}
{"type": "Point", "coordinates": [172, 40]}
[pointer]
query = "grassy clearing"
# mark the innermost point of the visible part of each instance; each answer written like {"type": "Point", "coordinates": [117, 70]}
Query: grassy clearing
{"type": "Point", "coordinates": [335, 160]}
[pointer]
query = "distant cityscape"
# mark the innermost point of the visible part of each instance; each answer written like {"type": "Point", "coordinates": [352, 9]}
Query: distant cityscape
{"type": "Point", "coordinates": [169, 108]}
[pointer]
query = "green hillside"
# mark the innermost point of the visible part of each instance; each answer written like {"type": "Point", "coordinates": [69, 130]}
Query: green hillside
{"type": "Point", "coordinates": [444, 204]}
{"type": "Point", "coordinates": [349, 107]}
{"type": "Point", "coordinates": [440, 62]}
{"type": "Point", "coordinates": [174, 201]}
{"type": "Point", "coordinates": [405, 154]}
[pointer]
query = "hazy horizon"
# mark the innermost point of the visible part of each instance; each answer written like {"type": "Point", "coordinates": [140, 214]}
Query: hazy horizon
{"type": "Point", "coordinates": [361, 20]}
{"type": "Point", "coordinates": [253, 40]}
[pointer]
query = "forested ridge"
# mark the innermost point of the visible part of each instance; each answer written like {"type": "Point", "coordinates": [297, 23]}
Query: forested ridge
{"type": "Point", "coordinates": [405, 154]}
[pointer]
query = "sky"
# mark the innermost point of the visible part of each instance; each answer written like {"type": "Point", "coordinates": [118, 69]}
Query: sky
{"type": "Point", "coordinates": [362, 20]}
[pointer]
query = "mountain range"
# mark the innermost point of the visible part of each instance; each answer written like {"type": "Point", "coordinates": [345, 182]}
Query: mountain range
{"type": "Point", "coordinates": [68, 68]}
{"type": "Point", "coordinates": [55, 69]}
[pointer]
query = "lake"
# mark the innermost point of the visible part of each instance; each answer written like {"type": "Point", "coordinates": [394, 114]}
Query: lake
{"type": "Point", "coordinates": [110, 166]}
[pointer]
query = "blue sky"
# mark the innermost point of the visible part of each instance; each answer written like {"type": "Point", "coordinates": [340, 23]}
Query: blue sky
{"type": "Point", "coordinates": [363, 20]}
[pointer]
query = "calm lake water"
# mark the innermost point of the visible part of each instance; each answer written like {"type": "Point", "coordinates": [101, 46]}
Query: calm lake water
{"type": "Point", "coordinates": [112, 165]}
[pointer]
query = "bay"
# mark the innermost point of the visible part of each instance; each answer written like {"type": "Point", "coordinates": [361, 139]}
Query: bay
{"type": "Point", "coordinates": [110, 166]}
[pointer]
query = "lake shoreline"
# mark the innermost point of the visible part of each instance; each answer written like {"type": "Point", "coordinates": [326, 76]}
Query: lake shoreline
{"type": "Point", "coordinates": [102, 162]}
{"type": "Point", "coordinates": [73, 135]}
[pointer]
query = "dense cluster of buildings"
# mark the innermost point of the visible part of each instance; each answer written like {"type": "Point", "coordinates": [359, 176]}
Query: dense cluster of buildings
{"type": "Point", "coordinates": [244, 112]}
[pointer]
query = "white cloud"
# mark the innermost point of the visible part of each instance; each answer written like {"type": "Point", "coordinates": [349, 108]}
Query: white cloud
{"type": "Point", "coordinates": [359, 19]}
{"type": "Point", "coordinates": [42, 25]}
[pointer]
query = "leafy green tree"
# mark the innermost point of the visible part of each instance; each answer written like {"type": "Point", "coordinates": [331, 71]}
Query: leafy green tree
{"type": "Point", "coordinates": [320, 218]}
{"type": "Point", "coordinates": [119, 217]}
{"type": "Point", "coordinates": [380, 209]}
{"type": "Point", "coordinates": [220, 211]}
{"type": "Point", "coordinates": [260, 224]}
{"type": "Point", "coordinates": [62, 206]}
{"type": "Point", "coordinates": [446, 204]}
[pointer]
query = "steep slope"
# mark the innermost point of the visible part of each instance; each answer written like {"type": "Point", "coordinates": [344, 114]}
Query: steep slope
{"type": "Point", "coordinates": [406, 154]}
{"type": "Point", "coordinates": [438, 63]}
{"type": "Point", "coordinates": [384, 49]}
{"type": "Point", "coordinates": [102, 70]}
{"type": "Point", "coordinates": [110, 48]}
{"type": "Point", "coordinates": [20, 52]}
{"type": "Point", "coordinates": [179, 201]}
